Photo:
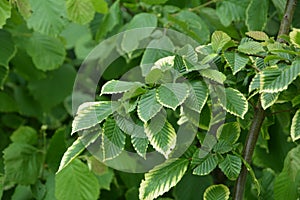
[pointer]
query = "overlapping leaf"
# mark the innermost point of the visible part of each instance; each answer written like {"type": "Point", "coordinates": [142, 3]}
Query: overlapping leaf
{"type": "Point", "coordinates": [213, 75]}
{"type": "Point", "coordinates": [5, 12]}
{"type": "Point", "coordinates": [268, 99]}
{"type": "Point", "coordinates": [148, 106]}
{"type": "Point", "coordinates": [117, 86]}
{"type": "Point", "coordinates": [250, 47]}
{"type": "Point", "coordinates": [236, 61]}
{"type": "Point", "coordinates": [231, 166]}
{"type": "Point", "coordinates": [258, 35]}
{"type": "Point", "coordinates": [216, 192]}
{"type": "Point", "coordinates": [256, 15]}
{"type": "Point", "coordinates": [80, 11]}
{"type": "Point", "coordinates": [171, 95]}
{"type": "Point", "coordinates": [161, 134]}
{"type": "Point", "coordinates": [218, 40]}
{"type": "Point", "coordinates": [162, 178]}
{"type": "Point", "coordinates": [276, 80]}
{"type": "Point", "coordinates": [197, 97]}
{"type": "Point", "coordinates": [295, 37]}
{"type": "Point", "coordinates": [207, 165]}
{"type": "Point", "coordinates": [295, 128]}
{"type": "Point", "coordinates": [90, 114]}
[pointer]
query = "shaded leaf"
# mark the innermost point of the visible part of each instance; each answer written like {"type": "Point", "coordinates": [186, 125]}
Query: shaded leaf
{"type": "Point", "coordinates": [268, 99]}
{"type": "Point", "coordinates": [207, 164]}
{"type": "Point", "coordinates": [236, 61]}
{"type": "Point", "coordinates": [231, 166]}
{"type": "Point", "coordinates": [216, 192]}
{"type": "Point", "coordinates": [257, 15]}
{"type": "Point", "coordinates": [250, 47]}
{"type": "Point", "coordinates": [5, 12]}
{"type": "Point", "coordinates": [295, 128]}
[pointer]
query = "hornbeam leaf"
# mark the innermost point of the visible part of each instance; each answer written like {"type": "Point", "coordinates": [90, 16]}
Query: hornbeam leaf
{"type": "Point", "coordinates": [268, 99]}
{"type": "Point", "coordinates": [91, 113]}
{"type": "Point", "coordinates": [295, 128]}
{"type": "Point", "coordinates": [113, 140]}
{"type": "Point", "coordinates": [148, 106]}
{"type": "Point", "coordinates": [213, 75]}
{"type": "Point", "coordinates": [161, 134]}
{"type": "Point", "coordinates": [236, 61]}
{"type": "Point", "coordinates": [256, 15]}
{"type": "Point", "coordinates": [250, 47]}
{"type": "Point", "coordinates": [78, 146]}
{"type": "Point", "coordinates": [295, 37]}
{"type": "Point", "coordinates": [258, 35]}
{"type": "Point", "coordinates": [255, 83]}
{"type": "Point", "coordinates": [162, 178]}
{"type": "Point", "coordinates": [218, 40]}
{"type": "Point", "coordinates": [230, 132]}
{"type": "Point", "coordinates": [207, 165]}
{"type": "Point", "coordinates": [80, 11]}
{"type": "Point", "coordinates": [231, 166]}
{"type": "Point", "coordinates": [233, 102]}
{"type": "Point", "coordinates": [171, 95]}
{"type": "Point", "coordinates": [197, 97]}
{"type": "Point", "coordinates": [116, 86]}
{"type": "Point", "coordinates": [216, 192]}
{"type": "Point", "coordinates": [276, 80]}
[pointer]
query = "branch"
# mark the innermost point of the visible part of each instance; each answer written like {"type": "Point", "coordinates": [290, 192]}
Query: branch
{"type": "Point", "coordinates": [259, 114]}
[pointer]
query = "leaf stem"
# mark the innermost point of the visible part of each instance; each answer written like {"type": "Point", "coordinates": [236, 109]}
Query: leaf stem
{"type": "Point", "coordinates": [259, 114]}
{"type": "Point", "coordinates": [203, 5]}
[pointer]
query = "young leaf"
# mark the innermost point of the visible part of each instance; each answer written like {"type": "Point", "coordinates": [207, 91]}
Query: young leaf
{"type": "Point", "coordinates": [113, 140]}
{"type": "Point", "coordinates": [233, 102]}
{"type": "Point", "coordinates": [213, 75]}
{"type": "Point", "coordinates": [91, 113]}
{"type": "Point", "coordinates": [207, 165]}
{"type": "Point", "coordinates": [231, 166]}
{"type": "Point", "coordinates": [275, 80]}
{"type": "Point", "coordinates": [117, 86]}
{"type": "Point", "coordinates": [216, 192]}
{"type": "Point", "coordinates": [236, 61]}
{"type": "Point", "coordinates": [295, 128]}
{"type": "Point", "coordinates": [171, 95]}
{"type": "Point", "coordinates": [258, 35]}
{"type": "Point", "coordinates": [218, 40]}
{"type": "Point", "coordinates": [268, 99]}
{"type": "Point", "coordinates": [256, 15]}
{"type": "Point", "coordinates": [295, 37]}
{"type": "Point", "coordinates": [80, 11]}
{"type": "Point", "coordinates": [162, 178]}
{"type": "Point", "coordinates": [161, 134]}
{"type": "Point", "coordinates": [250, 47]}
{"type": "Point", "coordinates": [76, 181]}
{"type": "Point", "coordinates": [148, 106]}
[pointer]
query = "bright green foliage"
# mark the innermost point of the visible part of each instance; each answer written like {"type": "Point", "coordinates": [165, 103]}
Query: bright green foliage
{"type": "Point", "coordinates": [80, 12]}
{"type": "Point", "coordinates": [250, 47]}
{"type": "Point", "coordinates": [207, 165]}
{"type": "Point", "coordinates": [295, 37]}
{"type": "Point", "coordinates": [256, 15]}
{"type": "Point", "coordinates": [149, 101]}
{"type": "Point", "coordinates": [217, 192]}
{"type": "Point", "coordinates": [236, 61]}
{"type": "Point", "coordinates": [114, 87]}
{"type": "Point", "coordinates": [5, 10]}
{"type": "Point", "coordinates": [231, 166]}
{"type": "Point", "coordinates": [76, 182]}
{"type": "Point", "coordinates": [162, 178]}
{"type": "Point", "coordinates": [295, 128]}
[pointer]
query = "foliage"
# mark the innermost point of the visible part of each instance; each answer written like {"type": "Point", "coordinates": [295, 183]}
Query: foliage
{"type": "Point", "coordinates": [236, 62]}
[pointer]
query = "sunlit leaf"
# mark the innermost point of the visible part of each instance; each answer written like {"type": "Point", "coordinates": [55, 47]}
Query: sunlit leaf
{"type": "Point", "coordinates": [148, 106]}
{"type": "Point", "coordinates": [295, 128]}
{"type": "Point", "coordinates": [80, 11]}
{"type": "Point", "coordinates": [231, 166]}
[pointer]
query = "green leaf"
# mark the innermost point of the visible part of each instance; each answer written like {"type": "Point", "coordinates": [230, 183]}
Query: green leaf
{"type": "Point", "coordinates": [255, 83]}
{"type": "Point", "coordinates": [295, 37]}
{"type": "Point", "coordinates": [213, 75]}
{"type": "Point", "coordinates": [48, 16]}
{"type": "Point", "coordinates": [154, 2]}
{"type": "Point", "coordinates": [257, 15]}
{"type": "Point", "coordinates": [236, 61]}
{"type": "Point", "coordinates": [258, 35]}
{"type": "Point", "coordinates": [78, 146]}
{"type": "Point", "coordinates": [80, 11]}
{"type": "Point", "coordinates": [7, 102]}
{"type": "Point", "coordinates": [161, 134]}
{"type": "Point", "coordinates": [47, 53]}
{"type": "Point", "coordinates": [277, 80]}
{"type": "Point", "coordinates": [165, 63]}
{"type": "Point", "coordinates": [117, 86]}
{"type": "Point", "coordinates": [233, 102]}
{"type": "Point", "coordinates": [216, 192]}
{"type": "Point", "coordinates": [23, 7]}
{"type": "Point", "coordinates": [100, 6]}
{"type": "Point", "coordinates": [113, 140]}
{"type": "Point", "coordinates": [295, 128]}
{"type": "Point", "coordinates": [280, 6]}
{"type": "Point", "coordinates": [229, 10]}
{"type": "Point", "coordinates": [39, 89]}
{"type": "Point", "coordinates": [91, 113]}
{"type": "Point", "coordinates": [162, 178]}
{"type": "Point", "coordinates": [154, 76]}
{"type": "Point", "coordinates": [3, 75]}
{"type": "Point", "coordinates": [7, 48]}
{"type": "Point", "coordinates": [218, 40]}
{"type": "Point", "coordinates": [207, 164]}
{"type": "Point", "coordinates": [148, 106]}
{"type": "Point", "coordinates": [5, 12]}
{"type": "Point", "coordinates": [250, 47]}
{"type": "Point", "coordinates": [25, 134]}
{"type": "Point", "coordinates": [22, 156]}
{"type": "Point", "coordinates": [140, 144]}
{"type": "Point", "coordinates": [229, 132]}
{"type": "Point", "coordinates": [171, 95]}
{"type": "Point", "coordinates": [286, 182]}
{"type": "Point", "coordinates": [76, 181]}
{"type": "Point", "coordinates": [231, 166]}
{"type": "Point", "coordinates": [197, 97]}
{"type": "Point", "coordinates": [268, 99]}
